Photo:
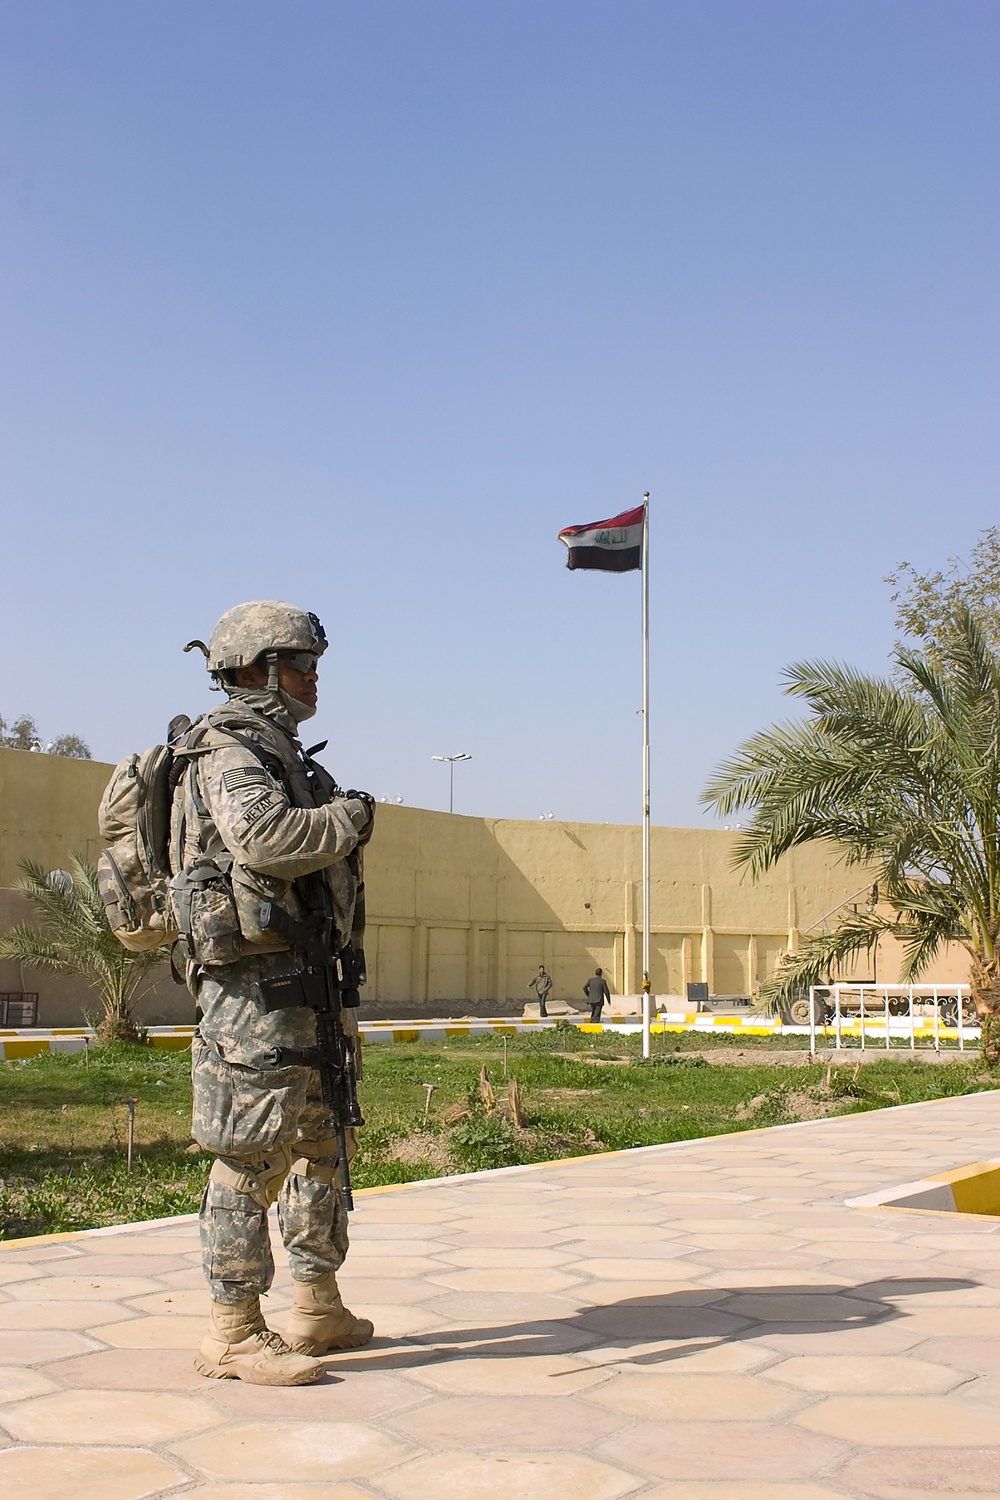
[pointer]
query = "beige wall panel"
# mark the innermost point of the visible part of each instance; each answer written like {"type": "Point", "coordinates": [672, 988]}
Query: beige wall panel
{"type": "Point", "coordinates": [392, 964]}
{"type": "Point", "coordinates": [730, 957]}
{"type": "Point", "coordinates": [666, 964]}
{"type": "Point", "coordinates": [693, 960]}
{"type": "Point", "coordinates": [673, 901]}
{"type": "Point", "coordinates": [483, 895]}
{"type": "Point", "coordinates": [48, 810]}
{"type": "Point", "coordinates": [396, 886]}
{"type": "Point", "coordinates": [575, 956]}
{"type": "Point", "coordinates": [525, 947]}
{"type": "Point", "coordinates": [447, 963]}
{"type": "Point", "coordinates": [486, 977]}
{"type": "Point", "coordinates": [771, 947]}
{"type": "Point", "coordinates": [443, 895]}
{"type": "Point", "coordinates": [525, 951]}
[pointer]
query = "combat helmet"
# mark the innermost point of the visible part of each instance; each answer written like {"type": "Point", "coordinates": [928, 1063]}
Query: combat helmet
{"type": "Point", "coordinates": [261, 628]}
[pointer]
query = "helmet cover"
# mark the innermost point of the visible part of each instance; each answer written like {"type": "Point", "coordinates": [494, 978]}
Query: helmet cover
{"type": "Point", "coordinates": [249, 630]}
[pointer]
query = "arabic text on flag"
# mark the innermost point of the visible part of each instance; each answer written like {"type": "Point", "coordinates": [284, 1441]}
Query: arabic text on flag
{"type": "Point", "coordinates": [612, 546]}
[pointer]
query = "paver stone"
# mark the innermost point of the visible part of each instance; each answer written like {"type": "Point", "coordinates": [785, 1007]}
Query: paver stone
{"type": "Point", "coordinates": [506, 1422]}
{"type": "Point", "coordinates": [279, 1451]}
{"type": "Point", "coordinates": [726, 1490]}
{"type": "Point", "coordinates": [504, 1476]}
{"type": "Point", "coordinates": [683, 1397]}
{"type": "Point", "coordinates": [134, 1370]}
{"type": "Point", "coordinates": [158, 1331]}
{"type": "Point", "coordinates": [83, 1288]}
{"type": "Point", "coordinates": [903, 1422]}
{"type": "Point", "coordinates": [18, 1383]}
{"type": "Point", "coordinates": [720, 1450]}
{"type": "Point", "coordinates": [84, 1474]}
{"type": "Point", "coordinates": [980, 1356]}
{"type": "Point", "coordinates": [534, 1375]}
{"type": "Point", "coordinates": [802, 1307]}
{"type": "Point", "coordinates": [356, 1397]}
{"type": "Point", "coordinates": [36, 1347]}
{"type": "Point", "coordinates": [107, 1417]}
{"type": "Point", "coordinates": [346, 1491]}
{"type": "Point", "coordinates": [41, 1316]}
{"type": "Point", "coordinates": [867, 1374]}
{"type": "Point", "coordinates": [929, 1472]}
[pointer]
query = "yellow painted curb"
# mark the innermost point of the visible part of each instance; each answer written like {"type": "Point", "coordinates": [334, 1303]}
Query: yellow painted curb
{"type": "Point", "coordinates": [973, 1189]}
{"type": "Point", "coordinates": [22, 1047]}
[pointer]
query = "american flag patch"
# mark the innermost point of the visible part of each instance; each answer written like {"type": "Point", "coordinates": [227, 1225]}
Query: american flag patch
{"type": "Point", "coordinates": [242, 777]}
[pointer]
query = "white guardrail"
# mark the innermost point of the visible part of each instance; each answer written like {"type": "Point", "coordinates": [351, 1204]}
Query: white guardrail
{"type": "Point", "coordinates": [876, 1015]}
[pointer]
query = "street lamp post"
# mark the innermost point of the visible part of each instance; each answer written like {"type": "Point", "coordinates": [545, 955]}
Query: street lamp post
{"type": "Point", "coordinates": [451, 759]}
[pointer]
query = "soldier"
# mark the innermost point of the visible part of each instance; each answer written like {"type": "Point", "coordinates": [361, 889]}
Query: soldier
{"type": "Point", "coordinates": [256, 820]}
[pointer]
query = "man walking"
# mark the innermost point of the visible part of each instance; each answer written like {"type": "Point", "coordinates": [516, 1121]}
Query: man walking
{"type": "Point", "coordinates": [596, 991]}
{"type": "Point", "coordinates": [541, 984]}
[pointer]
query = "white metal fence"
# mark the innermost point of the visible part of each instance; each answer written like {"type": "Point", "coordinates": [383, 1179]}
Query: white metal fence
{"type": "Point", "coordinates": [879, 1015]}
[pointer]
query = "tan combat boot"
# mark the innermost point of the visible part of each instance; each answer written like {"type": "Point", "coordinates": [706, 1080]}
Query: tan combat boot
{"type": "Point", "coordinates": [240, 1346]}
{"type": "Point", "coordinates": [319, 1322]}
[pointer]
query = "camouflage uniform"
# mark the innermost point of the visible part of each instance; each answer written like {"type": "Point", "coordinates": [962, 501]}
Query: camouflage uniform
{"type": "Point", "coordinates": [264, 826]}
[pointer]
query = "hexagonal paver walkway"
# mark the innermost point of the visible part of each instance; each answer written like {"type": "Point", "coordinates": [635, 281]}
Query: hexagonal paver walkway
{"type": "Point", "coordinates": [706, 1320]}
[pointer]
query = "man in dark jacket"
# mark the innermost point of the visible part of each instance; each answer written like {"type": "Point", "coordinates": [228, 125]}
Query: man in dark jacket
{"type": "Point", "coordinates": [596, 991]}
{"type": "Point", "coordinates": [541, 984]}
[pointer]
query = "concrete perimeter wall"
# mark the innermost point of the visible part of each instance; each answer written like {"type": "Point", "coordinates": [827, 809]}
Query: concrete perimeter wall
{"type": "Point", "coordinates": [461, 911]}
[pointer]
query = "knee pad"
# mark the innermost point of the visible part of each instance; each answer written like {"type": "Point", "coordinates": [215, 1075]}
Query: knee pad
{"type": "Point", "coordinates": [260, 1178]}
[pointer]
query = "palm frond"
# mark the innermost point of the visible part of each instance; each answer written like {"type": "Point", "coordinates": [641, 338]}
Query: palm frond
{"type": "Point", "coordinates": [819, 955]}
{"type": "Point", "coordinates": [900, 777]}
{"type": "Point", "coordinates": [73, 938]}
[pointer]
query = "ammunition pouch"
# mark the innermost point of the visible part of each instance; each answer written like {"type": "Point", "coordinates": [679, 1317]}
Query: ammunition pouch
{"type": "Point", "coordinates": [286, 991]}
{"type": "Point", "coordinates": [201, 897]}
{"type": "Point", "coordinates": [308, 986]}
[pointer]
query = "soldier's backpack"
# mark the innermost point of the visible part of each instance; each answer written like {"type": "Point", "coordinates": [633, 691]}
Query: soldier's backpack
{"type": "Point", "coordinates": [134, 820]}
{"type": "Point", "coordinates": [133, 871]}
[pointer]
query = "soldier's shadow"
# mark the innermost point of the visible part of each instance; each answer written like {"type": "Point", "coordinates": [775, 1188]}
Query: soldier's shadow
{"type": "Point", "coordinates": [659, 1329]}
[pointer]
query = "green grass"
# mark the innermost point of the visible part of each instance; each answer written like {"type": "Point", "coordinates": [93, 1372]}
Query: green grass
{"type": "Point", "coordinates": [63, 1123]}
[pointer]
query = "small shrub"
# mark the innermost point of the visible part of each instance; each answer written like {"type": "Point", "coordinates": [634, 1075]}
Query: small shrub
{"type": "Point", "coordinates": [485, 1141]}
{"type": "Point", "coordinates": [672, 1060]}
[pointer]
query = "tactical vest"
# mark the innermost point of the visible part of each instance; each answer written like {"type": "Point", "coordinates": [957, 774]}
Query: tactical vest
{"type": "Point", "coordinates": [214, 898]}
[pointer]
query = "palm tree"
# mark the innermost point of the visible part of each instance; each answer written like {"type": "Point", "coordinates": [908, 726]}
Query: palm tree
{"type": "Point", "coordinates": [73, 937]}
{"type": "Point", "coordinates": [904, 778]}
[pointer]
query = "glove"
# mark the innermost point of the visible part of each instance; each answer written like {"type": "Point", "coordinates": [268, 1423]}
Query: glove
{"type": "Point", "coordinates": [361, 811]}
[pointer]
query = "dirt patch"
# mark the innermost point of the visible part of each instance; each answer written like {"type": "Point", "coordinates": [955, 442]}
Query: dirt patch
{"type": "Point", "coordinates": [750, 1107]}
{"type": "Point", "coordinates": [798, 1104]}
{"type": "Point", "coordinates": [422, 1149]}
{"type": "Point", "coordinates": [802, 1105]}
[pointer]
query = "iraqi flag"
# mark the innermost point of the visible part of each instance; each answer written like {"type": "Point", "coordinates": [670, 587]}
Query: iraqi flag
{"type": "Point", "coordinates": [613, 546]}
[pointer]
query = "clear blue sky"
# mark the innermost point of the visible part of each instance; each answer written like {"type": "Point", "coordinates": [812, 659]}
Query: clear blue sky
{"type": "Point", "coordinates": [357, 304]}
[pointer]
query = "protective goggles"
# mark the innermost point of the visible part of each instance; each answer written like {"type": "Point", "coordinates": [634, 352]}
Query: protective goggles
{"type": "Point", "coordinates": [302, 661]}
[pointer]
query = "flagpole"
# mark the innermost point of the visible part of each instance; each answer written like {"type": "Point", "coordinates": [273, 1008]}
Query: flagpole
{"type": "Point", "coordinates": [646, 996]}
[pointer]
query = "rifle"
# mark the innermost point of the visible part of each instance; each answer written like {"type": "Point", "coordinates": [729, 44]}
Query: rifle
{"type": "Point", "coordinates": [327, 982]}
